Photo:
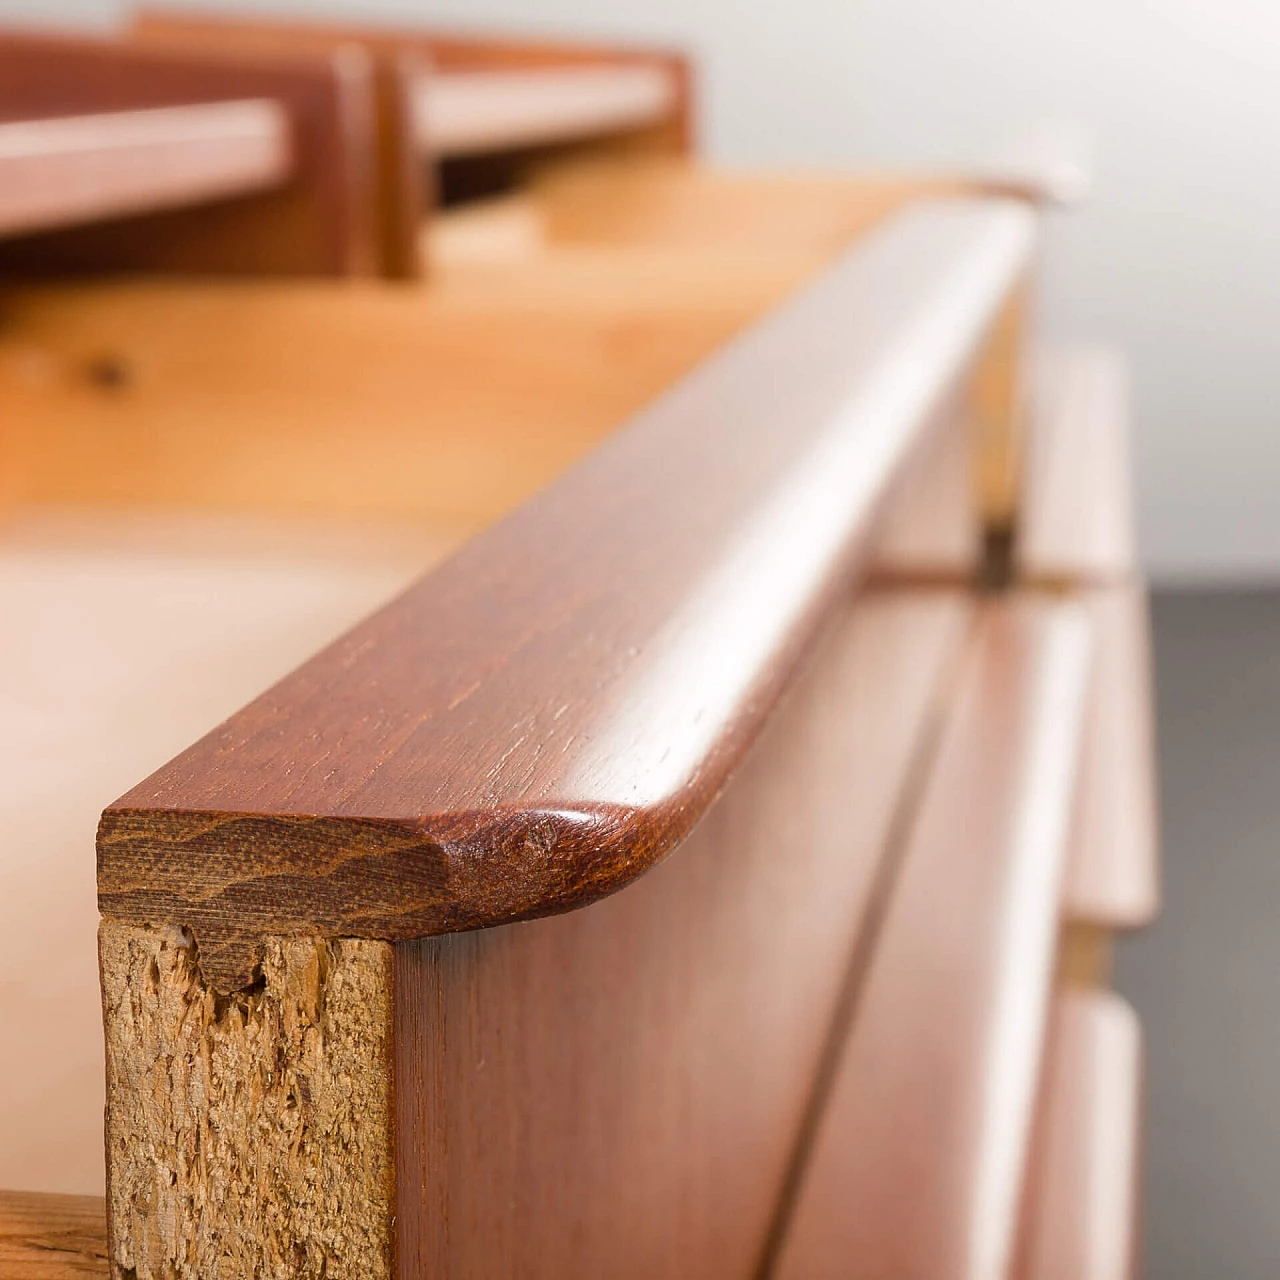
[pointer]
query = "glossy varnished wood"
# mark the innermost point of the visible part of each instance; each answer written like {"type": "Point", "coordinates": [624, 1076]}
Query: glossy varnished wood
{"type": "Point", "coordinates": [917, 1167]}
{"type": "Point", "coordinates": [616, 1091]}
{"type": "Point", "coordinates": [1113, 874]}
{"type": "Point", "coordinates": [68, 170]}
{"type": "Point", "coordinates": [48, 1237]}
{"type": "Point", "coordinates": [1081, 1214]}
{"type": "Point", "coordinates": [550, 712]}
{"type": "Point", "coordinates": [320, 222]}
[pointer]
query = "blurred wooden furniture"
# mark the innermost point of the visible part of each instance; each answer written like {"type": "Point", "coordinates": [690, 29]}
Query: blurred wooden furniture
{"type": "Point", "coordinates": [121, 157]}
{"type": "Point", "coordinates": [460, 116]}
{"type": "Point", "coordinates": [708, 866]}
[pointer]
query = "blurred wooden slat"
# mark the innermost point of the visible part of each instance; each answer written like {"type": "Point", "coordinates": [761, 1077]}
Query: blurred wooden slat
{"type": "Point", "coordinates": [320, 221]}
{"type": "Point", "coordinates": [61, 171]}
{"type": "Point", "coordinates": [48, 1237]}
{"type": "Point", "coordinates": [917, 1167]}
{"type": "Point", "coordinates": [469, 112]}
{"type": "Point", "coordinates": [1076, 517]}
{"type": "Point", "coordinates": [1113, 875]}
{"type": "Point", "coordinates": [1081, 1211]}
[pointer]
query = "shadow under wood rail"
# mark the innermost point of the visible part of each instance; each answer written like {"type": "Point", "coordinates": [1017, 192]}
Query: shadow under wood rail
{"type": "Point", "coordinates": [547, 714]}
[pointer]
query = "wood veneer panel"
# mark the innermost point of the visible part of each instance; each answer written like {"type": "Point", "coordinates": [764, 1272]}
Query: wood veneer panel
{"type": "Point", "coordinates": [918, 1166]}
{"type": "Point", "coordinates": [1113, 875]}
{"type": "Point", "coordinates": [583, 704]}
{"type": "Point", "coordinates": [67, 170]}
{"type": "Point", "coordinates": [319, 223]}
{"type": "Point", "coordinates": [1076, 515]}
{"type": "Point", "coordinates": [616, 1091]}
{"type": "Point", "coordinates": [48, 1237]}
{"type": "Point", "coordinates": [1081, 1214]}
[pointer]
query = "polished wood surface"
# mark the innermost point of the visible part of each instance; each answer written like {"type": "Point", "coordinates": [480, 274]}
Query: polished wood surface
{"type": "Point", "coordinates": [124, 636]}
{"type": "Point", "coordinates": [62, 171]}
{"type": "Point", "coordinates": [1113, 876]}
{"type": "Point", "coordinates": [616, 1091]}
{"type": "Point", "coordinates": [610, 651]}
{"type": "Point", "coordinates": [1076, 520]}
{"type": "Point", "coordinates": [917, 1168]}
{"type": "Point", "coordinates": [1080, 1221]}
{"type": "Point", "coordinates": [50, 1237]}
{"type": "Point", "coordinates": [321, 222]}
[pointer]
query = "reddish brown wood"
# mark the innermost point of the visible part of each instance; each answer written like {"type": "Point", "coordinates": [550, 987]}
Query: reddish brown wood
{"type": "Point", "coordinates": [615, 1092]}
{"type": "Point", "coordinates": [918, 1166]}
{"type": "Point", "coordinates": [1080, 1219]}
{"type": "Point", "coordinates": [320, 223]}
{"type": "Point", "coordinates": [74, 169]}
{"type": "Point", "coordinates": [546, 715]}
{"type": "Point", "coordinates": [403, 60]}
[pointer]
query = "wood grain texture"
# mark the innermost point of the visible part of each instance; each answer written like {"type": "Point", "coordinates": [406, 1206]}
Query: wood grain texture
{"type": "Point", "coordinates": [1080, 1220]}
{"type": "Point", "coordinates": [918, 1167]}
{"type": "Point", "coordinates": [51, 1237]}
{"type": "Point", "coordinates": [475, 392]}
{"type": "Point", "coordinates": [322, 222]}
{"type": "Point", "coordinates": [1113, 874]}
{"type": "Point", "coordinates": [73, 169]}
{"type": "Point", "coordinates": [611, 649]}
{"type": "Point", "coordinates": [253, 1135]}
{"type": "Point", "coordinates": [616, 1091]}
{"type": "Point", "coordinates": [1076, 510]}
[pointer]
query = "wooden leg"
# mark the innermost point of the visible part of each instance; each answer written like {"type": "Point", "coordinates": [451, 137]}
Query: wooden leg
{"type": "Point", "coordinates": [250, 1134]}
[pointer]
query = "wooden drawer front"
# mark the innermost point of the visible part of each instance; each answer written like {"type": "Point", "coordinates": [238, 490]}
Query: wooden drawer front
{"type": "Point", "coordinates": [1081, 1210]}
{"type": "Point", "coordinates": [617, 1091]}
{"type": "Point", "coordinates": [917, 1167]}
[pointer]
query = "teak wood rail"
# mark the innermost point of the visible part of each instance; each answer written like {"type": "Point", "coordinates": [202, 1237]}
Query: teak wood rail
{"type": "Point", "coordinates": [527, 730]}
{"type": "Point", "coordinates": [544, 717]}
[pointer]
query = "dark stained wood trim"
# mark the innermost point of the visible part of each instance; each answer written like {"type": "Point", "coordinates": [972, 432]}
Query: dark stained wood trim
{"type": "Point", "coordinates": [322, 221]}
{"type": "Point", "coordinates": [72, 169]}
{"type": "Point", "coordinates": [546, 715]}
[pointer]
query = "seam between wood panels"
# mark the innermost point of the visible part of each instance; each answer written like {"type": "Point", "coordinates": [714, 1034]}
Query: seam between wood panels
{"type": "Point", "coordinates": [866, 938]}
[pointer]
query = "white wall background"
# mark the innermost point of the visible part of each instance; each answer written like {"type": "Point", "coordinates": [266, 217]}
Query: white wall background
{"type": "Point", "coordinates": [1177, 258]}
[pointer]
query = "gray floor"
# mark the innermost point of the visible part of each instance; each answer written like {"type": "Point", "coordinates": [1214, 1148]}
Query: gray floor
{"type": "Point", "coordinates": [1206, 979]}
